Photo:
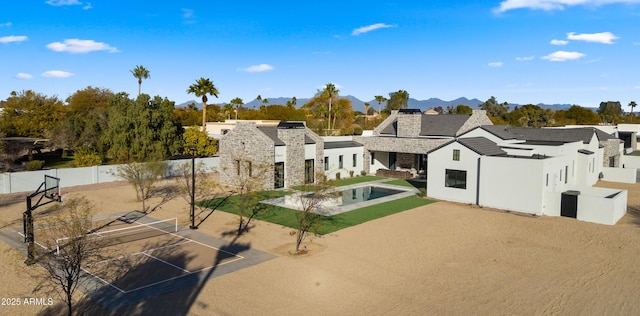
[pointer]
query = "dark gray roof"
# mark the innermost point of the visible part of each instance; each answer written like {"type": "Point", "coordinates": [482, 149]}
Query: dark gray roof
{"type": "Point", "coordinates": [271, 132]}
{"type": "Point", "coordinates": [342, 144]}
{"type": "Point", "coordinates": [391, 129]}
{"type": "Point", "coordinates": [442, 125]}
{"type": "Point", "coordinates": [482, 146]}
{"type": "Point", "coordinates": [546, 135]}
{"type": "Point", "coordinates": [586, 152]}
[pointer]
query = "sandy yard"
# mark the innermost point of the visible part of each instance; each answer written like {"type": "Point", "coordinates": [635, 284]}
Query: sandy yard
{"type": "Point", "coordinates": [440, 259]}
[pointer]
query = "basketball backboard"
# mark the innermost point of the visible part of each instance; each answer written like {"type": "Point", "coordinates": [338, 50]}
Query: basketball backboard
{"type": "Point", "coordinates": [52, 188]}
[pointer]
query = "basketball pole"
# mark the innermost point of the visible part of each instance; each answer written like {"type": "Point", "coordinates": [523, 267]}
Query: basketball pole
{"type": "Point", "coordinates": [27, 220]}
{"type": "Point", "coordinates": [193, 190]}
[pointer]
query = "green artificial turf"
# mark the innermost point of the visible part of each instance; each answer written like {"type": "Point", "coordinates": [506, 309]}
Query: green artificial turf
{"type": "Point", "coordinates": [288, 217]}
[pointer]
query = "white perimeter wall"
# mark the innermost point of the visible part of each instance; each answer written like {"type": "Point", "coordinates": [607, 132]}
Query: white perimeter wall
{"type": "Point", "coordinates": [631, 162]}
{"type": "Point", "coordinates": [623, 175]}
{"type": "Point", "coordinates": [28, 181]}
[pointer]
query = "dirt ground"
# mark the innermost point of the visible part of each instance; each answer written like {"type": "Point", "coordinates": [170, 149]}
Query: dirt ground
{"type": "Point", "coordinates": [439, 259]}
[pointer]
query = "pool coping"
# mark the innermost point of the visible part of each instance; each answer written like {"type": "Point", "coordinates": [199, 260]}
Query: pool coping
{"type": "Point", "coordinates": [330, 211]}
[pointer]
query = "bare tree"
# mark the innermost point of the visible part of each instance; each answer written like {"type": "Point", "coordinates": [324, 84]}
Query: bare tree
{"type": "Point", "coordinates": [63, 260]}
{"type": "Point", "coordinates": [143, 176]}
{"type": "Point", "coordinates": [310, 202]}
{"type": "Point", "coordinates": [249, 179]}
{"type": "Point", "coordinates": [198, 184]}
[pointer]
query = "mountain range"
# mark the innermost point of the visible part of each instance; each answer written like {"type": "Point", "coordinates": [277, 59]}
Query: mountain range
{"type": "Point", "coordinates": [358, 105]}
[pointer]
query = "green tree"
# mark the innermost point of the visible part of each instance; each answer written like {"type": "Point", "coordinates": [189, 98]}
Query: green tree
{"type": "Point", "coordinates": [140, 73]}
{"type": "Point", "coordinates": [330, 92]}
{"type": "Point", "coordinates": [610, 111]}
{"type": "Point", "coordinates": [30, 114]}
{"type": "Point", "coordinates": [143, 129]}
{"type": "Point", "coordinates": [462, 109]}
{"type": "Point", "coordinates": [201, 88]}
{"type": "Point", "coordinates": [85, 120]}
{"type": "Point", "coordinates": [582, 116]}
{"type": "Point", "coordinates": [237, 102]}
{"type": "Point", "coordinates": [493, 108]}
{"type": "Point", "coordinates": [196, 138]}
{"type": "Point", "coordinates": [530, 115]}
{"type": "Point", "coordinates": [380, 99]}
{"type": "Point", "coordinates": [632, 105]}
{"type": "Point", "coordinates": [398, 100]}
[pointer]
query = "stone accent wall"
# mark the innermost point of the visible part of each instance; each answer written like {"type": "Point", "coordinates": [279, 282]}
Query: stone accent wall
{"type": "Point", "coordinates": [477, 118]}
{"type": "Point", "coordinates": [248, 145]}
{"type": "Point", "coordinates": [611, 150]}
{"type": "Point", "coordinates": [294, 161]}
{"type": "Point", "coordinates": [318, 163]}
{"type": "Point", "coordinates": [366, 167]}
{"type": "Point", "coordinates": [409, 125]}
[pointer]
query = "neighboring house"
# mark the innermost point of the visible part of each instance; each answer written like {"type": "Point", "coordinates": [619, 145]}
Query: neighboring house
{"type": "Point", "coordinates": [535, 171]}
{"type": "Point", "coordinates": [401, 142]}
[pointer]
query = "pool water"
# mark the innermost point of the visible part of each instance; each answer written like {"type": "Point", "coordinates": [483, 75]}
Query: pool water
{"type": "Point", "coordinates": [366, 193]}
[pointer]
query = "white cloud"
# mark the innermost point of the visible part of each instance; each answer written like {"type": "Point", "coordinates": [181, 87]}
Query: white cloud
{"type": "Point", "coordinates": [87, 6]}
{"type": "Point", "coordinates": [8, 24]}
{"type": "Point", "coordinates": [258, 68]}
{"type": "Point", "coordinates": [563, 56]}
{"type": "Point", "coordinates": [636, 43]}
{"type": "Point", "coordinates": [187, 13]}
{"type": "Point", "coordinates": [559, 42]}
{"type": "Point", "coordinates": [495, 64]}
{"type": "Point", "coordinates": [12, 38]}
{"type": "Point", "coordinates": [56, 74]}
{"type": "Point", "coordinates": [369, 28]}
{"type": "Point", "coordinates": [57, 3]}
{"type": "Point", "coordinates": [78, 46]}
{"type": "Point", "coordinates": [526, 58]}
{"type": "Point", "coordinates": [22, 75]}
{"type": "Point", "coordinates": [604, 37]}
{"type": "Point", "coordinates": [550, 5]}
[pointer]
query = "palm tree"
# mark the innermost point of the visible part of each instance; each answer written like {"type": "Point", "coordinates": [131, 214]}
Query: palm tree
{"type": "Point", "coordinates": [259, 99]}
{"type": "Point", "coordinates": [141, 73]}
{"type": "Point", "coordinates": [330, 91]}
{"type": "Point", "coordinates": [201, 88]}
{"type": "Point", "coordinates": [265, 103]}
{"type": "Point", "coordinates": [380, 99]}
{"type": "Point", "coordinates": [238, 103]}
{"type": "Point", "coordinates": [632, 104]}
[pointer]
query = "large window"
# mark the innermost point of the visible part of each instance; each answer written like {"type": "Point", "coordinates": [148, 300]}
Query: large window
{"type": "Point", "coordinates": [340, 162]}
{"type": "Point", "coordinates": [455, 179]}
{"type": "Point", "coordinates": [308, 171]}
{"type": "Point", "coordinates": [326, 163]}
{"type": "Point", "coordinates": [355, 160]}
{"type": "Point", "coordinates": [279, 175]}
{"type": "Point", "coordinates": [456, 154]}
{"type": "Point", "coordinates": [373, 157]}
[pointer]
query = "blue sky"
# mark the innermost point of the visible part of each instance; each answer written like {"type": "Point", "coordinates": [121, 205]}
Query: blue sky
{"type": "Point", "coordinates": [520, 51]}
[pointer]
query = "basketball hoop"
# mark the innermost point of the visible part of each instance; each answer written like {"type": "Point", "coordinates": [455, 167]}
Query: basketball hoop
{"type": "Point", "coordinates": [49, 189]}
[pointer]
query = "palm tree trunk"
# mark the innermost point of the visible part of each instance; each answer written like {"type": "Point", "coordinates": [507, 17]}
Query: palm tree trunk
{"type": "Point", "coordinates": [329, 123]}
{"type": "Point", "coordinates": [204, 116]}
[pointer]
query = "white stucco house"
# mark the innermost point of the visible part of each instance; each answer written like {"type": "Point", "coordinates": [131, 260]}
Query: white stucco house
{"type": "Point", "coordinates": [535, 171]}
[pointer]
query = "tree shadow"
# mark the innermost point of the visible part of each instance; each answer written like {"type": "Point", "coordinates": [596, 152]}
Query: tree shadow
{"type": "Point", "coordinates": [634, 213]}
{"type": "Point", "coordinates": [166, 193]}
{"type": "Point", "coordinates": [154, 287]}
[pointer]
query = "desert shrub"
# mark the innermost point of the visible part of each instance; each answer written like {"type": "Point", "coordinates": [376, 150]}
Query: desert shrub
{"type": "Point", "coordinates": [351, 172]}
{"type": "Point", "coordinates": [85, 157]}
{"type": "Point", "coordinates": [337, 175]}
{"type": "Point", "coordinates": [34, 165]}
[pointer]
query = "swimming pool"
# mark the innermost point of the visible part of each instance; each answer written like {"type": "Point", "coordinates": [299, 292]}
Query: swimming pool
{"type": "Point", "coordinates": [348, 198]}
{"type": "Point", "coordinates": [366, 193]}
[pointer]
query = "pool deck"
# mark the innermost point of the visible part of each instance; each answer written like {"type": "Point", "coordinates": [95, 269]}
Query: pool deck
{"type": "Point", "coordinates": [333, 210]}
